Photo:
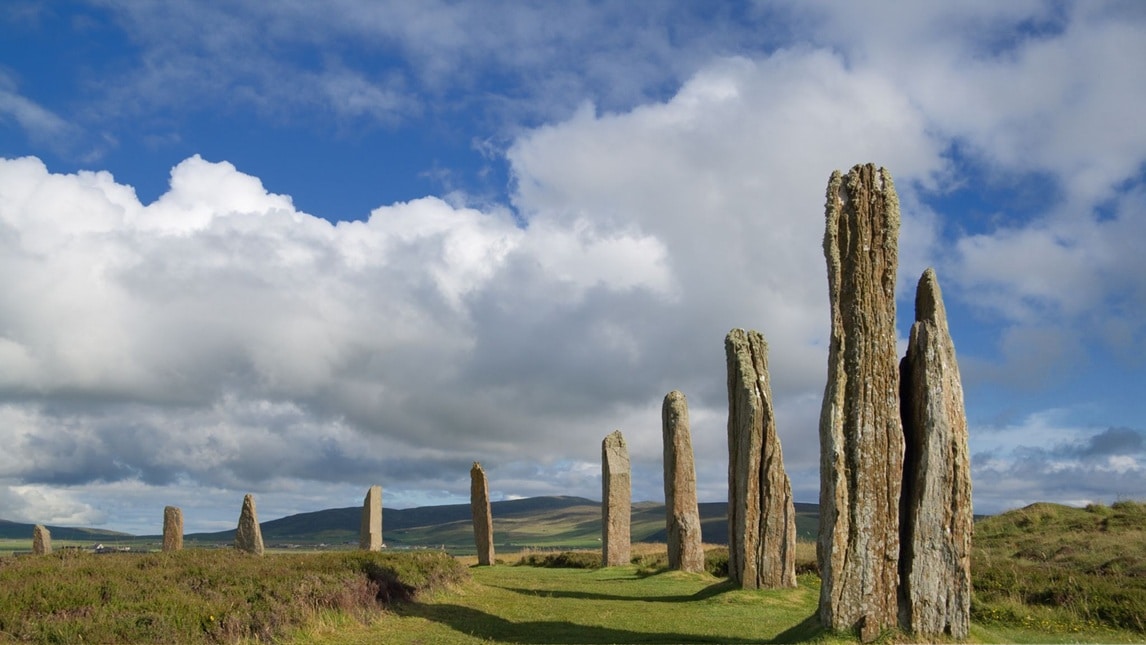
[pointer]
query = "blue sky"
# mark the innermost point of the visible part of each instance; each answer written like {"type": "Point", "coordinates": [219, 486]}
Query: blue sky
{"type": "Point", "coordinates": [298, 249]}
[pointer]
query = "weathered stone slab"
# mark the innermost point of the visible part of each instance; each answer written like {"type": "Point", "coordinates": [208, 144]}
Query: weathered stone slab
{"type": "Point", "coordinates": [616, 501]}
{"type": "Point", "coordinates": [761, 513]}
{"type": "Point", "coordinates": [172, 528]}
{"type": "Point", "coordinates": [682, 516]}
{"type": "Point", "coordinates": [370, 532]}
{"type": "Point", "coordinates": [41, 540]}
{"type": "Point", "coordinates": [249, 536]}
{"type": "Point", "coordinates": [483, 517]}
{"type": "Point", "coordinates": [937, 519]}
{"type": "Point", "coordinates": [861, 435]}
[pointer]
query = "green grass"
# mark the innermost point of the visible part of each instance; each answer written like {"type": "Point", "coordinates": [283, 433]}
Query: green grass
{"type": "Point", "coordinates": [614, 605]}
{"type": "Point", "coordinates": [1045, 573]}
{"type": "Point", "coordinates": [523, 604]}
{"type": "Point", "coordinates": [1062, 570]}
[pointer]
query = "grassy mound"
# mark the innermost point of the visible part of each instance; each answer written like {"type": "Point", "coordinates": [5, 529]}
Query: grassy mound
{"type": "Point", "coordinates": [207, 596]}
{"type": "Point", "coordinates": [1062, 569]}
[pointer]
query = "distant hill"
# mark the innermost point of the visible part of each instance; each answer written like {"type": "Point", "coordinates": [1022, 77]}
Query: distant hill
{"type": "Point", "coordinates": [544, 522]}
{"type": "Point", "coordinates": [427, 525]}
{"type": "Point", "coordinates": [18, 531]}
{"type": "Point", "coordinates": [714, 523]}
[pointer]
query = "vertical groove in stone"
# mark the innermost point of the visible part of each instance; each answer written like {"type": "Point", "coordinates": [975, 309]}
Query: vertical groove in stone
{"type": "Point", "coordinates": [861, 435]}
{"type": "Point", "coordinates": [616, 501]}
{"type": "Point", "coordinates": [483, 517]}
{"type": "Point", "coordinates": [936, 512]}
{"type": "Point", "coordinates": [761, 512]}
{"type": "Point", "coordinates": [682, 515]}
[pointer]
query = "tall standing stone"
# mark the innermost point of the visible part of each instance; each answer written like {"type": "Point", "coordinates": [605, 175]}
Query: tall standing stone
{"type": "Point", "coordinates": [41, 540]}
{"type": "Point", "coordinates": [761, 514]}
{"type": "Point", "coordinates": [370, 532]}
{"type": "Point", "coordinates": [249, 536]}
{"type": "Point", "coordinates": [483, 518]}
{"type": "Point", "coordinates": [172, 528]}
{"type": "Point", "coordinates": [682, 521]}
{"type": "Point", "coordinates": [936, 519]}
{"type": "Point", "coordinates": [616, 501]}
{"type": "Point", "coordinates": [861, 435]}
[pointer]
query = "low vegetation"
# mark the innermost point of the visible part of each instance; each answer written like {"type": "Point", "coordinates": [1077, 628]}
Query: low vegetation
{"type": "Point", "coordinates": [199, 595]}
{"type": "Point", "coordinates": [1045, 573]}
{"type": "Point", "coordinates": [1060, 569]}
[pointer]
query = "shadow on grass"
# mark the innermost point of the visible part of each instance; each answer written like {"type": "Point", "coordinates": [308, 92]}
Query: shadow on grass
{"type": "Point", "coordinates": [480, 624]}
{"type": "Point", "coordinates": [807, 630]}
{"type": "Point", "coordinates": [711, 590]}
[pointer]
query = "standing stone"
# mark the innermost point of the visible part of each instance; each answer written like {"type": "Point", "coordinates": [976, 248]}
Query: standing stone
{"type": "Point", "coordinates": [682, 521]}
{"type": "Point", "coordinates": [616, 501]}
{"type": "Point", "coordinates": [761, 514]}
{"type": "Point", "coordinates": [249, 537]}
{"type": "Point", "coordinates": [936, 519]}
{"type": "Point", "coordinates": [172, 528]}
{"type": "Point", "coordinates": [370, 533]}
{"type": "Point", "coordinates": [483, 518]}
{"type": "Point", "coordinates": [861, 435]}
{"type": "Point", "coordinates": [41, 540]}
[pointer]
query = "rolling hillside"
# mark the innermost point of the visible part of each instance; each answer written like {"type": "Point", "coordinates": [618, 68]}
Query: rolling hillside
{"type": "Point", "coordinates": [19, 531]}
{"type": "Point", "coordinates": [541, 522]}
{"type": "Point", "coordinates": [448, 525]}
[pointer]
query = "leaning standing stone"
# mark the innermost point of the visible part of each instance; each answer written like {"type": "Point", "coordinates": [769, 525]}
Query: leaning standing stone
{"type": "Point", "coordinates": [41, 540]}
{"type": "Point", "coordinates": [370, 532]}
{"type": "Point", "coordinates": [861, 436]}
{"type": "Point", "coordinates": [249, 537]}
{"type": "Point", "coordinates": [483, 518]}
{"type": "Point", "coordinates": [935, 562]}
{"type": "Point", "coordinates": [761, 513]}
{"type": "Point", "coordinates": [172, 528]}
{"type": "Point", "coordinates": [616, 502]}
{"type": "Point", "coordinates": [682, 521]}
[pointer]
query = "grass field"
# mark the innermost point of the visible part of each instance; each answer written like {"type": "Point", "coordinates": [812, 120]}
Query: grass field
{"type": "Point", "coordinates": [1055, 567]}
{"type": "Point", "coordinates": [1041, 574]}
{"type": "Point", "coordinates": [220, 596]}
{"type": "Point", "coordinates": [508, 604]}
{"type": "Point", "coordinates": [513, 604]}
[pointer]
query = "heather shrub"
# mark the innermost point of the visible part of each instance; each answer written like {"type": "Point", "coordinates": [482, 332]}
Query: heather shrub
{"type": "Point", "coordinates": [197, 595]}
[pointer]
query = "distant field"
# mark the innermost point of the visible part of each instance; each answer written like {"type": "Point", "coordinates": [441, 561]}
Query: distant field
{"type": "Point", "coordinates": [12, 546]}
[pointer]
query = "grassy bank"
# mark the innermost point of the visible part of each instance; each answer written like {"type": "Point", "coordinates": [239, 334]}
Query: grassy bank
{"type": "Point", "coordinates": [1062, 569]}
{"type": "Point", "coordinates": [205, 596]}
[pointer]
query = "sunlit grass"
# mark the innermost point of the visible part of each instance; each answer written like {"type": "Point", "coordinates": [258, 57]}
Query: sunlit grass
{"type": "Point", "coordinates": [1046, 573]}
{"type": "Point", "coordinates": [513, 604]}
{"type": "Point", "coordinates": [1062, 570]}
